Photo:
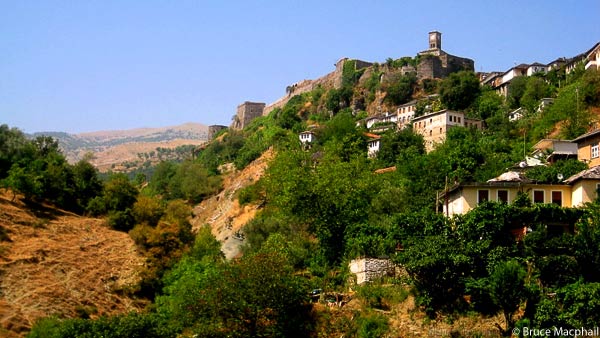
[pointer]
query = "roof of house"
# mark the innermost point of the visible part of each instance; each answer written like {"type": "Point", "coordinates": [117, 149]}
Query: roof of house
{"type": "Point", "coordinates": [586, 135]}
{"type": "Point", "coordinates": [511, 176]}
{"type": "Point", "coordinates": [385, 170]}
{"type": "Point", "coordinates": [537, 64]}
{"type": "Point", "coordinates": [593, 49]}
{"type": "Point", "coordinates": [589, 174]}
{"type": "Point", "coordinates": [372, 136]}
{"type": "Point", "coordinates": [547, 143]}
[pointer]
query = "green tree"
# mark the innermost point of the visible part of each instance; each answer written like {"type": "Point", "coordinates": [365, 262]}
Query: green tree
{"type": "Point", "coordinates": [459, 90]}
{"type": "Point", "coordinates": [508, 290]}
{"type": "Point", "coordinates": [536, 89]}
{"type": "Point", "coordinates": [516, 89]}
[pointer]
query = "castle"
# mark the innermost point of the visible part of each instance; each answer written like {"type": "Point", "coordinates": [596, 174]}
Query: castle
{"type": "Point", "coordinates": [433, 63]}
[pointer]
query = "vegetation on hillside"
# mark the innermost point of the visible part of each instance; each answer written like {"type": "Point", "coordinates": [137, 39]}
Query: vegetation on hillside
{"type": "Point", "coordinates": [323, 205]}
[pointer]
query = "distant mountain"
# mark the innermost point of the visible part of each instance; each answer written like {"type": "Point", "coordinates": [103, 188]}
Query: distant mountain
{"type": "Point", "coordinates": [114, 147]}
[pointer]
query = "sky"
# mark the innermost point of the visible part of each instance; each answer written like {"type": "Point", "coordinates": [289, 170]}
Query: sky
{"type": "Point", "coordinates": [80, 66]}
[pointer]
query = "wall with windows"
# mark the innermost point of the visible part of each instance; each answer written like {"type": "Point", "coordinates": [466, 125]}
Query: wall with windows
{"type": "Point", "coordinates": [468, 197]}
{"type": "Point", "coordinates": [588, 151]}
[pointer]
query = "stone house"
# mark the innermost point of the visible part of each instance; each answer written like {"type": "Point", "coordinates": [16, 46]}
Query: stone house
{"type": "Point", "coordinates": [434, 126]}
{"type": "Point", "coordinates": [405, 113]}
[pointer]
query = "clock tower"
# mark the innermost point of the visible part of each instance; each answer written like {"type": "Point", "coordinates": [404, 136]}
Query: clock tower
{"type": "Point", "coordinates": [435, 40]}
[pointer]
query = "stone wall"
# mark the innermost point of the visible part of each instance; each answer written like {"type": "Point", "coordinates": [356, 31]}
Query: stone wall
{"type": "Point", "coordinates": [331, 80]}
{"type": "Point", "coordinates": [214, 129]}
{"type": "Point", "coordinates": [247, 112]}
{"type": "Point", "coordinates": [433, 66]}
{"type": "Point", "coordinates": [369, 269]}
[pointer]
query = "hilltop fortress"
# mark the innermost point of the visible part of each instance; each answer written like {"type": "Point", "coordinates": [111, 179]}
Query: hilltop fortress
{"type": "Point", "coordinates": [433, 63]}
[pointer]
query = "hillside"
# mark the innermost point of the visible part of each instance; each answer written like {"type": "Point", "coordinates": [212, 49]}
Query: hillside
{"type": "Point", "coordinates": [223, 211]}
{"type": "Point", "coordinates": [53, 262]}
{"type": "Point", "coordinates": [112, 148]}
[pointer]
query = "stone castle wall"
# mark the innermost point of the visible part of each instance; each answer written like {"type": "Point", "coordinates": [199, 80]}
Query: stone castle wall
{"type": "Point", "coordinates": [440, 66]}
{"type": "Point", "coordinates": [214, 129]}
{"type": "Point", "coordinates": [331, 80]}
{"type": "Point", "coordinates": [247, 112]}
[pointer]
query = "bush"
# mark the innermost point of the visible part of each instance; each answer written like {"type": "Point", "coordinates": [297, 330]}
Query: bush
{"type": "Point", "coordinates": [372, 325]}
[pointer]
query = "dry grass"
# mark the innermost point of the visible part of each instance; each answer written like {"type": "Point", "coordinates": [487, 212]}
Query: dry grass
{"type": "Point", "coordinates": [60, 263]}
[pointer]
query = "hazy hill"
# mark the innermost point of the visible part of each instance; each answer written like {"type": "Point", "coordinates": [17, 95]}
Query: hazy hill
{"type": "Point", "coordinates": [110, 148]}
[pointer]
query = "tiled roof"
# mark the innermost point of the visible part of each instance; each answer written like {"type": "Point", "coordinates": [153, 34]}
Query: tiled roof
{"type": "Point", "coordinates": [592, 173]}
{"type": "Point", "coordinates": [584, 136]}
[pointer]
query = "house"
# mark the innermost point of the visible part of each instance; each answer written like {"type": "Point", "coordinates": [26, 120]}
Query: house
{"type": "Point", "coordinates": [593, 57]}
{"type": "Point", "coordinates": [544, 103]}
{"type": "Point", "coordinates": [588, 148]}
{"type": "Point", "coordinates": [405, 113]}
{"type": "Point", "coordinates": [385, 121]}
{"type": "Point", "coordinates": [516, 114]}
{"type": "Point", "coordinates": [492, 79]}
{"type": "Point", "coordinates": [307, 137]}
{"type": "Point", "coordinates": [573, 62]}
{"type": "Point", "coordinates": [434, 126]}
{"type": "Point", "coordinates": [556, 64]}
{"type": "Point", "coordinates": [520, 70]}
{"type": "Point", "coordinates": [552, 150]}
{"type": "Point", "coordinates": [370, 121]}
{"type": "Point", "coordinates": [535, 68]}
{"type": "Point", "coordinates": [373, 145]}
{"type": "Point", "coordinates": [572, 192]}
{"type": "Point", "coordinates": [584, 186]}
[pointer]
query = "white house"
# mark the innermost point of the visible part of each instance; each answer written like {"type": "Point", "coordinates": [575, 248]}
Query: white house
{"type": "Point", "coordinates": [536, 68]}
{"type": "Point", "coordinates": [516, 114]}
{"type": "Point", "coordinates": [307, 137]}
{"type": "Point", "coordinates": [373, 145]}
{"type": "Point", "coordinates": [593, 57]}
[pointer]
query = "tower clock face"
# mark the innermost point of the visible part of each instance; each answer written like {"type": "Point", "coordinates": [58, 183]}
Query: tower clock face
{"type": "Point", "coordinates": [432, 38]}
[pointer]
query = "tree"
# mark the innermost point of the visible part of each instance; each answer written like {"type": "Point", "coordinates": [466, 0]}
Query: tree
{"type": "Point", "coordinates": [516, 89]}
{"type": "Point", "coordinates": [535, 90]}
{"type": "Point", "coordinates": [400, 91]}
{"type": "Point", "coordinates": [508, 290]}
{"type": "Point", "coordinates": [459, 90]}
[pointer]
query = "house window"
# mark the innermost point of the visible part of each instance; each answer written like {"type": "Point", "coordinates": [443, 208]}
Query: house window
{"type": "Point", "coordinates": [595, 151]}
{"type": "Point", "coordinates": [538, 196]}
{"type": "Point", "coordinates": [440, 131]}
{"type": "Point", "coordinates": [557, 197]}
{"type": "Point", "coordinates": [503, 196]}
{"type": "Point", "coordinates": [459, 120]}
{"type": "Point", "coordinates": [483, 196]}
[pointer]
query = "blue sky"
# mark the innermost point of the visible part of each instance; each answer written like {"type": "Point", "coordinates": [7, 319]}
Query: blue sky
{"type": "Point", "coordinates": [80, 66]}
